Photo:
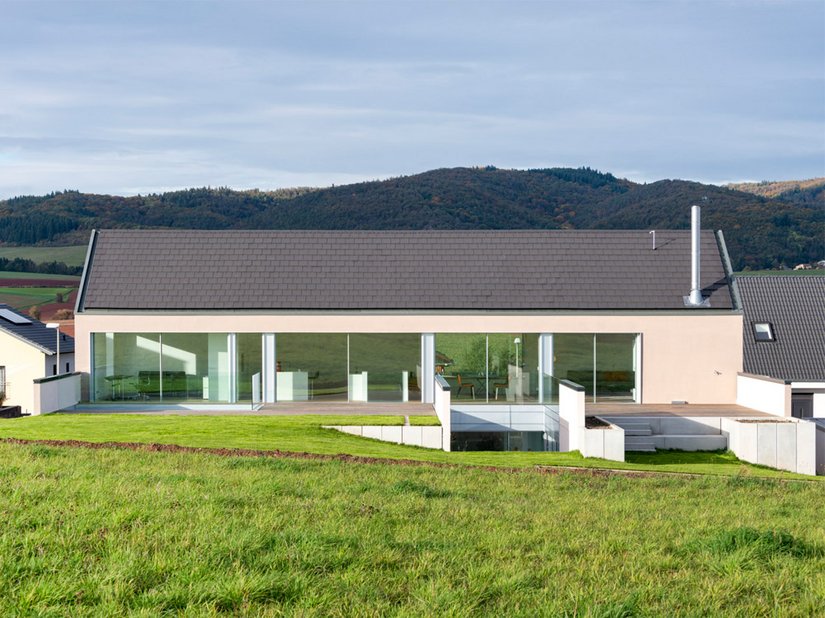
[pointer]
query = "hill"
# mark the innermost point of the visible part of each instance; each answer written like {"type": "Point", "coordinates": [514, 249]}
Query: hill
{"type": "Point", "coordinates": [797, 191]}
{"type": "Point", "coordinates": [762, 232]}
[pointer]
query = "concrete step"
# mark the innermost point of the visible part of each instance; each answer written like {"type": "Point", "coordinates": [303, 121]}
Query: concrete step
{"type": "Point", "coordinates": [639, 443]}
{"type": "Point", "coordinates": [638, 431]}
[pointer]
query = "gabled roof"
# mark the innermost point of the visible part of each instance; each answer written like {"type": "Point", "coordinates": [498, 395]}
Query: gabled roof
{"type": "Point", "coordinates": [34, 332]}
{"type": "Point", "coordinates": [397, 270]}
{"type": "Point", "coordinates": [795, 307]}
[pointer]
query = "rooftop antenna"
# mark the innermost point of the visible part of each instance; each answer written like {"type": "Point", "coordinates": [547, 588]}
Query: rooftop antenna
{"type": "Point", "coordinates": [653, 235]}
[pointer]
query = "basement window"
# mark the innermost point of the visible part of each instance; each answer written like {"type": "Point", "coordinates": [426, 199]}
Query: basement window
{"type": "Point", "coordinates": [763, 331]}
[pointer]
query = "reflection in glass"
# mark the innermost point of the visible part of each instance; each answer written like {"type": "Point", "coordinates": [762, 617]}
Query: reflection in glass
{"type": "Point", "coordinates": [387, 365]}
{"type": "Point", "coordinates": [311, 366]}
{"type": "Point", "coordinates": [249, 360]}
{"type": "Point", "coordinates": [573, 359]}
{"type": "Point", "coordinates": [615, 367]}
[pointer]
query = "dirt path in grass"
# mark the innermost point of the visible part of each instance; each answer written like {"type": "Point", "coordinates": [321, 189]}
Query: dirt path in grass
{"type": "Point", "coordinates": [243, 452]}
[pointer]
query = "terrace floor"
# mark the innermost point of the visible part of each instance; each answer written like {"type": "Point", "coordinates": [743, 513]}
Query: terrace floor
{"type": "Point", "coordinates": [287, 408]}
{"type": "Point", "coordinates": [664, 409]}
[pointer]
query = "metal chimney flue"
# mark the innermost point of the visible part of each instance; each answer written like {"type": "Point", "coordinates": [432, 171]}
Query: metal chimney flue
{"type": "Point", "coordinates": [695, 298]}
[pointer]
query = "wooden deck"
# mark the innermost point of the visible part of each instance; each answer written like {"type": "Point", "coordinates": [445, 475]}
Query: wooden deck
{"type": "Point", "coordinates": [653, 409]}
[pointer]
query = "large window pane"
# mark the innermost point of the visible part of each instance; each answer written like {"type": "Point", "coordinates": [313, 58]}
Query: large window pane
{"type": "Point", "coordinates": [615, 367]}
{"type": "Point", "coordinates": [311, 366]}
{"type": "Point", "coordinates": [126, 367]}
{"type": "Point", "coordinates": [573, 359]}
{"type": "Point", "coordinates": [249, 360]}
{"type": "Point", "coordinates": [514, 367]}
{"type": "Point", "coordinates": [195, 367]}
{"type": "Point", "coordinates": [387, 364]}
{"type": "Point", "coordinates": [462, 360]}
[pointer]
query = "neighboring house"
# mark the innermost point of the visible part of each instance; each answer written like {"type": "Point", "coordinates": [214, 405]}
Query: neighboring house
{"type": "Point", "coordinates": [784, 335]}
{"type": "Point", "coordinates": [28, 352]}
{"type": "Point", "coordinates": [220, 317]}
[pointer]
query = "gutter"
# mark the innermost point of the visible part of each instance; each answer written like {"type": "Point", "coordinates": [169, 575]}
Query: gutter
{"type": "Point", "coordinates": [84, 278]}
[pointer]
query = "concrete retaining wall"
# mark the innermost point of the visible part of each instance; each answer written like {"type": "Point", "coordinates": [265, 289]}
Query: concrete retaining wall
{"type": "Point", "coordinates": [56, 393]}
{"type": "Point", "coordinates": [607, 443]}
{"type": "Point", "coordinates": [764, 394]}
{"type": "Point", "coordinates": [786, 445]}
{"type": "Point", "coordinates": [426, 436]}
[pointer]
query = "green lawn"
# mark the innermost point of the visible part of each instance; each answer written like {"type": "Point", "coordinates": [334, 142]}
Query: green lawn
{"type": "Point", "coordinates": [304, 434]}
{"type": "Point", "coordinates": [72, 256]}
{"type": "Point", "coordinates": [113, 532]}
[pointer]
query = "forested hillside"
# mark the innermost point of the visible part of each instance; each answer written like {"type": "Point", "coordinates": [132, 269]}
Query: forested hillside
{"type": "Point", "coordinates": [762, 232]}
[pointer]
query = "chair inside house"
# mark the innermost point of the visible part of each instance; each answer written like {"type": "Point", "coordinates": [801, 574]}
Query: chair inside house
{"type": "Point", "coordinates": [501, 385]}
{"type": "Point", "coordinates": [462, 385]}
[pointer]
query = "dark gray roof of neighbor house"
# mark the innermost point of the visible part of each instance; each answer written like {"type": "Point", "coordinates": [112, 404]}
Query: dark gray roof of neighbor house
{"type": "Point", "coordinates": [397, 270]}
{"type": "Point", "coordinates": [795, 307]}
{"type": "Point", "coordinates": [34, 332]}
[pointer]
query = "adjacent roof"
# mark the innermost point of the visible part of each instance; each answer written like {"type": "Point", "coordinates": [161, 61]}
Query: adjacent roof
{"type": "Point", "coordinates": [34, 332]}
{"type": "Point", "coordinates": [795, 307]}
{"type": "Point", "coordinates": [397, 270]}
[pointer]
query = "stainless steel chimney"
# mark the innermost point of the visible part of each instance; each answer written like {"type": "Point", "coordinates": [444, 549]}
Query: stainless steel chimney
{"type": "Point", "coordinates": [695, 233]}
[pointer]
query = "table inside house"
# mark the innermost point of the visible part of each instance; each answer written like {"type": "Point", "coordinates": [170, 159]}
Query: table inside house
{"type": "Point", "coordinates": [117, 381]}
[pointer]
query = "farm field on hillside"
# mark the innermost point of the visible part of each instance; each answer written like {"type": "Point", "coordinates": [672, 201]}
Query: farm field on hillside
{"type": "Point", "coordinates": [112, 532]}
{"type": "Point", "coordinates": [38, 278]}
{"type": "Point", "coordinates": [71, 256]}
{"type": "Point", "coordinates": [25, 297]}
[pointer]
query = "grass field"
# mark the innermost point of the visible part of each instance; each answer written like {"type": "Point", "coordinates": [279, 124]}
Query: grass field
{"type": "Point", "coordinates": [71, 279]}
{"type": "Point", "coordinates": [304, 434]}
{"type": "Point", "coordinates": [71, 256]}
{"type": "Point", "coordinates": [23, 298]}
{"type": "Point", "coordinates": [114, 532]}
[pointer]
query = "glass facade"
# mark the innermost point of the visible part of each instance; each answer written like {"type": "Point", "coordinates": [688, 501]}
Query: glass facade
{"type": "Point", "coordinates": [489, 368]}
{"type": "Point", "coordinates": [387, 364]}
{"type": "Point", "coordinates": [311, 366]}
{"type": "Point", "coordinates": [603, 363]}
{"type": "Point", "coordinates": [505, 368]}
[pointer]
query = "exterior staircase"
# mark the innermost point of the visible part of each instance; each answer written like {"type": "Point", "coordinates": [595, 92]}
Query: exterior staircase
{"type": "Point", "coordinates": [637, 435]}
{"type": "Point", "coordinates": [646, 434]}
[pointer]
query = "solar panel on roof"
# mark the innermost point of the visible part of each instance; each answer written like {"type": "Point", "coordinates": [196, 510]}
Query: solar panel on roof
{"type": "Point", "coordinates": [12, 317]}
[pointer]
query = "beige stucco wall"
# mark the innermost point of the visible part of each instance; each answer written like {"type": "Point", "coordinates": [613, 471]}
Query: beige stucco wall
{"type": "Point", "coordinates": [689, 356]}
{"type": "Point", "coordinates": [23, 363]}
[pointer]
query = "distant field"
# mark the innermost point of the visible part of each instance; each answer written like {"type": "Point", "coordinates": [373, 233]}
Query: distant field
{"type": "Point", "coordinates": [5, 274]}
{"type": "Point", "coordinates": [23, 298]}
{"type": "Point", "coordinates": [71, 256]}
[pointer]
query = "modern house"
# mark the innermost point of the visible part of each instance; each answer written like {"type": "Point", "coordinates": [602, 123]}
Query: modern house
{"type": "Point", "coordinates": [28, 355]}
{"type": "Point", "coordinates": [204, 317]}
{"type": "Point", "coordinates": [784, 336]}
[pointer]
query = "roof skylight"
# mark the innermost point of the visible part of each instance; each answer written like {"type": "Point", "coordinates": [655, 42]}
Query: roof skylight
{"type": "Point", "coordinates": [763, 331]}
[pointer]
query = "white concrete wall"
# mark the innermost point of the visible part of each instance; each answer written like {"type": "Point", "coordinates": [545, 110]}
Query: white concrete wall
{"type": "Point", "coordinates": [606, 443]}
{"type": "Point", "coordinates": [23, 363]}
{"type": "Point", "coordinates": [497, 417]}
{"type": "Point", "coordinates": [444, 413]}
{"type": "Point", "coordinates": [764, 394]}
{"type": "Point", "coordinates": [691, 355]}
{"type": "Point", "coordinates": [783, 444]}
{"type": "Point", "coordinates": [424, 436]}
{"type": "Point", "coordinates": [820, 450]}
{"type": "Point", "coordinates": [56, 393]}
{"type": "Point", "coordinates": [819, 405]}
{"type": "Point", "coordinates": [571, 419]}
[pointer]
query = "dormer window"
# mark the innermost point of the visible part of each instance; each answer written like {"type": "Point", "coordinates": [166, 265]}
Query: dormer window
{"type": "Point", "coordinates": [763, 331]}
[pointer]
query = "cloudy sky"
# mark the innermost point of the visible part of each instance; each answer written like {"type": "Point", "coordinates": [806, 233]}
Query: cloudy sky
{"type": "Point", "coordinates": [135, 97]}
